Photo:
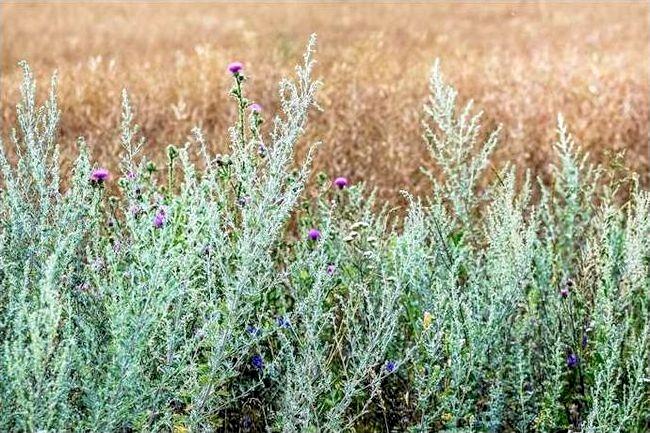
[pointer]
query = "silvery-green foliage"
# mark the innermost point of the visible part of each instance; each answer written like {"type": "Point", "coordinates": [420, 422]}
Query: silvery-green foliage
{"type": "Point", "coordinates": [192, 299]}
{"type": "Point", "coordinates": [497, 340]}
{"type": "Point", "coordinates": [41, 239]}
{"type": "Point", "coordinates": [452, 134]}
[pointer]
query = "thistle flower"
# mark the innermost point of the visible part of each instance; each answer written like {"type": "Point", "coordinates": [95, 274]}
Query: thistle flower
{"type": "Point", "coordinates": [314, 234]}
{"type": "Point", "coordinates": [341, 182]}
{"type": "Point", "coordinates": [235, 67]}
{"type": "Point", "coordinates": [331, 269]}
{"type": "Point", "coordinates": [99, 175]}
{"type": "Point", "coordinates": [572, 360]}
{"type": "Point", "coordinates": [256, 108]}
{"type": "Point", "coordinates": [160, 218]}
{"type": "Point", "coordinates": [390, 366]}
{"type": "Point", "coordinates": [257, 362]}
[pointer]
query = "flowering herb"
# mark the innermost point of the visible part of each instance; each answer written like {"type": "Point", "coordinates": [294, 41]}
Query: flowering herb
{"type": "Point", "coordinates": [235, 67]}
{"type": "Point", "coordinates": [257, 362]}
{"type": "Point", "coordinates": [283, 322]}
{"type": "Point", "coordinates": [572, 360]}
{"type": "Point", "coordinates": [160, 218]}
{"type": "Point", "coordinates": [99, 176]}
{"type": "Point", "coordinates": [253, 331]}
{"type": "Point", "coordinates": [314, 234]}
{"type": "Point", "coordinates": [341, 182]}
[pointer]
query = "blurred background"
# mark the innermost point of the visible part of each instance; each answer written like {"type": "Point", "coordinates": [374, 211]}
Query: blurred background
{"type": "Point", "coordinates": [521, 63]}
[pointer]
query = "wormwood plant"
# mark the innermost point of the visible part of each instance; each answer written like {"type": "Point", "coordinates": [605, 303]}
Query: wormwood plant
{"type": "Point", "coordinates": [207, 295]}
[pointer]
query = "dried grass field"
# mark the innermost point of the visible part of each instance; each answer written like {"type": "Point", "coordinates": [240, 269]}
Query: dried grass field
{"type": "Point", "coordinates": [522, 63]}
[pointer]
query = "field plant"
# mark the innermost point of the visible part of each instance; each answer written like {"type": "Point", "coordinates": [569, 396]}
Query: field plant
{"type": "Point", "coordinates": [210, 294]}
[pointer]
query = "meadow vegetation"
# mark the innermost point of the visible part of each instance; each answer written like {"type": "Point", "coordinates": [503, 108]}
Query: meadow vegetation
{"type": "Point", "coordinates": [208, 292]}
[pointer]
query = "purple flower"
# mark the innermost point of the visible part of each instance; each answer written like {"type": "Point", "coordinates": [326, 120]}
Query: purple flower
{"type": "Point", "coordinates": [341, 182]}
{"type": "Point", "coordinates": [331, 269]}
{"type": "Point", "coordinates": [160, 218]}
{"type": "Point", "coordinates": [256, 108]}
{"type": "Point", "coordinates": [131, 175]}
{"type": "Point", "coordinates": [564, 292]}
{"type": "Point", "coordinates": [257, 362]}
{"type": "Point", "coordinates": [390, 366]}
{"type": "Point", "coordinates": [572, 360]}
{"type": "Point", "coordinates": [99, 175]}
{"type": "Point", "coordinates": [235, 67]}
{"type": "Point", "coordinates": [313, 234]}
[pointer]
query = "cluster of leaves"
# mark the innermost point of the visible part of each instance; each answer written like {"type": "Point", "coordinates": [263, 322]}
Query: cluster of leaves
{"type": "Point", "coordinates": [194, 300]}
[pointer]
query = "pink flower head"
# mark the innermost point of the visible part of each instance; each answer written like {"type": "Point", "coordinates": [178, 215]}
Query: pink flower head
{"type": "Point", "coordinates": [99, 175]}
{"type": "Point", "coordinates": [256, 108]}
{"type": "Point", "coordinates": [160, 218]}
{"type": "Point", "coordinates": [341, 182]}
{"type": "Point", "coordinates": [313, 234]}
{"type": "Point", "coordinates": [235, 67]}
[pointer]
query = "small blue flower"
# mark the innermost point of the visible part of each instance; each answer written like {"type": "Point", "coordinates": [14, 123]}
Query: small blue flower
{"type": "Point", "coordinates": [283, 322]}
{"type": "Point", "coordinates": [572, 360]}
{"type": "Point", "coordinates": [257, 362]}
{"type": "Point", "coordinates": [253, 331]}
{"type": "Point", "coordinates": [390, 366]}
{"type": "Point", "coordinates": [246, 422]}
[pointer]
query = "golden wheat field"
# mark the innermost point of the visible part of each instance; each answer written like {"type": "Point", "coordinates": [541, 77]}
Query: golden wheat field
{"type": "Point", "coordinates": [522, 63]}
